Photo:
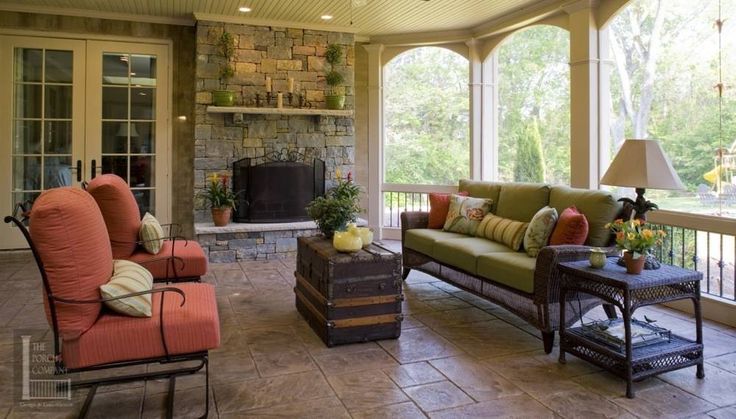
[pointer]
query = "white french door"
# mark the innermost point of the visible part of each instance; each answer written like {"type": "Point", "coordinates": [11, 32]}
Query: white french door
{"type": "Point", "coordinates": [72, 109]}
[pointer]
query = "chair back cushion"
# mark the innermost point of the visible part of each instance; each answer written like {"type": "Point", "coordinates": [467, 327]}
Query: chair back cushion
{"type": "Point", "coordinates": [120, 211]}
{"type": "Point", "coordinates": [70, 236]}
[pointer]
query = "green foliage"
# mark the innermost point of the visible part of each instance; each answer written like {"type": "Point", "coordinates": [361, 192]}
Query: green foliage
{"type": "Point", "coordinates": [218, 194]}
{"type": "Point", "coordinates": [339, 206]}
{"type": "Point", "coordinates": [333, 54]}
{"type": "Point", "coordinates": [226, 48]}
{"type": "Point", "coordinates": [529, 166]}
{"type": "Point", "coordinates": [334, 78]}
{"type": "Point", "coordinates": [426, 117]}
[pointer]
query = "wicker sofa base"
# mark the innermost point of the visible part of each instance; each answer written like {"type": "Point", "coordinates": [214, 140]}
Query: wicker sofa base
{"type": "Point", "coordinates": [543, 315]}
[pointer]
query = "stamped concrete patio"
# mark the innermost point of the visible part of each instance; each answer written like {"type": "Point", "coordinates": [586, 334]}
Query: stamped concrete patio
{"type": "Point", "coordinates": [458, 356]}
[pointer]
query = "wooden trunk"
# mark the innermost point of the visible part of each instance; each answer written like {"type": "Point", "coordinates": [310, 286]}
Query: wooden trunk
{"type": "Point", "coordinates": [348, 298]}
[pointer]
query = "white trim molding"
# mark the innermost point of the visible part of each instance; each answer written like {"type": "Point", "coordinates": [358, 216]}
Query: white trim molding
{"type": "Point", "coordinates": [271, 22]}
{"type": "Point", "coordinates": [96, 14]}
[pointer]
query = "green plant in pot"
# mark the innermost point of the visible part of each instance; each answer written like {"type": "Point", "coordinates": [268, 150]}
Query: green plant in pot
{"type": "Point", "coordinates": [226, 49]}
{"type": "Point", "coordinates": [338, 207]}
{"type": "Point", "coordinates": [335, 97]}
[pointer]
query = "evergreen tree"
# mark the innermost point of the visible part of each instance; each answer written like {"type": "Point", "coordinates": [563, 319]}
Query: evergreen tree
{"type": "Point", "coordinates": [529, 165]}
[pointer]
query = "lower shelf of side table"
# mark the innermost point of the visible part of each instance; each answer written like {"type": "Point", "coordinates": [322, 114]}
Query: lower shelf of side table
{"type": "Point", "coordinates": [646, 361]}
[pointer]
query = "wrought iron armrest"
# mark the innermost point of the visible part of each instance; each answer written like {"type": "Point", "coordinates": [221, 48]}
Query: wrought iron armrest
{"type": "Point", "coordinates": [547, 276]}
{"type": "Point", "coordinates": [176, 227]}
{"type": "Point", "coordinates": [172, 238]}
{"type": "Point", "coordinates": [120, 297]}
{"type": "Point", "coordinates": [164, 258]}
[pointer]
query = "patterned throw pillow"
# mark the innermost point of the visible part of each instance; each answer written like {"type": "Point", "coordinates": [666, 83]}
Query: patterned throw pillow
{"type": "Point", "coordinates": [439, 205]}
{"type": "Point", "coordinates": [151, 234]}
{"type": "Point", "coordinates": [502, 230]}
{"type": "Point", "coordinates": [466, 213]}
{"type": "Point", "coordinates": [540, 228]}
{"type": "Point", "coordinates": [129, 277]}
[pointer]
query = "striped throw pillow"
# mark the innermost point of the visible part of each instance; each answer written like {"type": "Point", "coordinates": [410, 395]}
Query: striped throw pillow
{"type": "Point", "coordinates": [151, 234]}
{"type": "Point", "coordinates": [502, 230]}
{"type": "Point", "coordinates": [129, 277]}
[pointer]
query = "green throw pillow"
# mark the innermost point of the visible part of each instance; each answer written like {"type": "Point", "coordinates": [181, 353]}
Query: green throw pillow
{"type": "Point", "coordinates": [151, 234]}
{"type": "Point", "coordinates": [466, 213]}
{"type": "Point", "coordinates": [540, 228]}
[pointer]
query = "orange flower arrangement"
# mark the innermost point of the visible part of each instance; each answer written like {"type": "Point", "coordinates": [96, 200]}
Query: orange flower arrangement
{"type": "Point", "coordinates": [635, 237]}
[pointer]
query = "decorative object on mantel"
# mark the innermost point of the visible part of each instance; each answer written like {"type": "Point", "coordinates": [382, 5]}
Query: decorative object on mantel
{"type": "Point", "coordinates": [220, 198]}
{"type": "Point", "coordinates": [349, 241]}
{"type": "Point", "coordinates": [336, 97]}
{"type": "Point", "coordinates": [635, 238]}
{"type": "Point", "coordinates": [339, 206]}
{"type": "Point", "coordinates": [641, 164]}
{"type": "Point", "coordinates": [226, 48]}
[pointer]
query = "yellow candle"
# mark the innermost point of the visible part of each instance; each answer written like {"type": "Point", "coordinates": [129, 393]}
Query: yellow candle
{"type": "Point", "coordinates": [279, 100]}
{"type": "Point", "coordinates": [291, 84]}
{"type": "Point", "coordinates": [268, 84]}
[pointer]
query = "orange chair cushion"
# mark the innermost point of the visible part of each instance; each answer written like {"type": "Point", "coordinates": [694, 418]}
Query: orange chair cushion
{"type": "Point", "coordinates": [193, 260]}
{"type": "Point", "coordinates": [70, 236]}
{"type": "Point", "coordinates": [193, 327]}
{"type": "Point", "coordinates": [120, 211]}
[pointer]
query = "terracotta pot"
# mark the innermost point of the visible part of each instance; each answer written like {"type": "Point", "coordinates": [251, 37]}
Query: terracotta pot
{"type": "Point", "coordinates": [221, 216]}
{"type": "Point", "coordinates": [634, 266]}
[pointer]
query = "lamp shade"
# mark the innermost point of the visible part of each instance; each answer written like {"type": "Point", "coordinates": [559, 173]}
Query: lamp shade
{"type": "Point", "coordinates": [123, 130]}
{"type": "Point", "coordinates": [642, 164]}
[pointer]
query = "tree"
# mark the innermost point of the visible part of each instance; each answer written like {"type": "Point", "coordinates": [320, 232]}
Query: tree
{"type": "Point", "coordinates": [529, 166]}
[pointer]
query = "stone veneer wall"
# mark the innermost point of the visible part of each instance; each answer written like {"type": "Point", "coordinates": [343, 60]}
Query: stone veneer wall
{"type": "Point", "coordinates": [280, 53]}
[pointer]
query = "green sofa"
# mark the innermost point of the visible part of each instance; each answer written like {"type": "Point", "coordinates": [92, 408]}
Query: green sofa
{"type": "Point", "coordinates": [526, 286]}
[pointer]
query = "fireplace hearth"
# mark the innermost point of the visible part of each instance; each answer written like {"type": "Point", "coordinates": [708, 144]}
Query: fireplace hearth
{"type": "Point", "coordinates": [276, 191]}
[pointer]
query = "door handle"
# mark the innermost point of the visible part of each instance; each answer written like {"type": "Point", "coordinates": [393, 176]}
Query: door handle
{"type": "Point", "coordinates": [79, 170]}
{"type": "Point", "coordinates": [94, 168]}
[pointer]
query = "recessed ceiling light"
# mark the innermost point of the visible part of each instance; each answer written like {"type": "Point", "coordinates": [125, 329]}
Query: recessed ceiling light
{"type": "Point", "coordinates": [326, 17]}
{"type": "Point", "coordinates": [244, 9]}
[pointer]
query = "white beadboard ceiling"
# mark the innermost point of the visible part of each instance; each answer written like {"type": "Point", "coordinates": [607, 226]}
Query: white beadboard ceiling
{"type": "Point", "coordinates": [368, 17]}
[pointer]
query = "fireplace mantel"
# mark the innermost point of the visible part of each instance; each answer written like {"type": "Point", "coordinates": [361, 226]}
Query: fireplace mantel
{"type": "Point", "coordinates": [280, 111]}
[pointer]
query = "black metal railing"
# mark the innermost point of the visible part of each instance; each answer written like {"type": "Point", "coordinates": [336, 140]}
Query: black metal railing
{"type": "Point", "coordinates": [394, 203]}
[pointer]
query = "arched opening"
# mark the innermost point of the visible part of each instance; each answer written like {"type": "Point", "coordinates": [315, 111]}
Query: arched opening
{"type": "Point", "coordinates": [426, 111]}
{"type": "Point", "coordinates": [533, 81]}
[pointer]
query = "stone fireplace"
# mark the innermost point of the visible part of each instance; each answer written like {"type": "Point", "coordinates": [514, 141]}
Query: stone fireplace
{"type": "Point", "coordinates": [222, 138]}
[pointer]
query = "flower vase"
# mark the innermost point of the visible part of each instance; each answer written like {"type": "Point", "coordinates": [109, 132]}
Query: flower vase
{"type": "Point", "coordinates": [634, 266]}
{"type": "Point", "coordinates": [221, 216]}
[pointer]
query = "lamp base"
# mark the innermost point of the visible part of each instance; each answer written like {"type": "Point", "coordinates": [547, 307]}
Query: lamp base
{"type": "Point", "coordinates": [640, 205]}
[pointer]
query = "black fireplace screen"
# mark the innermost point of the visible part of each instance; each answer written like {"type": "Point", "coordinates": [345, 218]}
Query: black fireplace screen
{"type": "Point", "coordinates": [276, 191]}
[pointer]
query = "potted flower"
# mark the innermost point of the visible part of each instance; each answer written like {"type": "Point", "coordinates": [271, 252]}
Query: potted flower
{"type": "Point", "coordinates": [636, 239]}
{"type": "Point", "coordinates": [335, 98]}
{"type": "Point", "coordinates": [226, 49]}
{"type": "Point", "coordinates": [220, 198]}
{"type": "Point", "coordinates": [339, 206]}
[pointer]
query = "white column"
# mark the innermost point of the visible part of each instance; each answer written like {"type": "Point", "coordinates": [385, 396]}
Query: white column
{"type": "Point", "coordinates": [489, 117]}
{"type": "Point", "coordinates": [584, 103]}
{"type": "Point", "coordinates": [375, 137]}
{"type": "Point", "coordinates": [476, 106]}
{"type": "Point", "coordinates": [605, 66]}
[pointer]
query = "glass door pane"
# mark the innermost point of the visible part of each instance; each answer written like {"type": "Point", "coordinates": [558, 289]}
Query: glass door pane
{"type": "Point", "coordinates": [128, 129]}
{"type": "Point", "coordinates": [42, 122]}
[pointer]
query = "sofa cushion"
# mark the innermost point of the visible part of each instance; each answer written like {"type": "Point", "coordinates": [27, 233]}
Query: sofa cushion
{"type": "Point", "coordinates": [540, 228]}
{"type": "Point", "coordinates": [462, 253]}
{"type": "Point", "coordinates": [599, 207]}
{"type": "Point", "coordinates": [192, 327]}
{"type": "Point", "coordinates": [502, 230]}
{"type": "Point", "coordinates": [423, 239]}
{"type": "Point", "coordinates": [515, 269]}
{"type": "Point", "coordinates": [439, 204]}
{"type": "Point", "coordinates": [571, 228]}
{"type": "Point", "coordinates": [481, 189]}
{"type": "Point", "coordinates": [120, 211]}
{"type": "Point", "coordinates": [520, 201]}
{"type": "Point", "coordinates": [70, 237]}
{"type": "Point", "coordinates": [466, 213]}
{"type": "Point", "coordinates": [191, 261]}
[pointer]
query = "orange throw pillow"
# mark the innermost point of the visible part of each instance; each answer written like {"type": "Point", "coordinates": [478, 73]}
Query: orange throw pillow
{"type": "Point", "coordinates": [439, 204]}
{"type": "Point", "coordinates": [571, 228]}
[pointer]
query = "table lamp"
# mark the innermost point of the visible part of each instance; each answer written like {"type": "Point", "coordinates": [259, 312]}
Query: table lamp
{"type": "Point", "coordinates": [642, 164]}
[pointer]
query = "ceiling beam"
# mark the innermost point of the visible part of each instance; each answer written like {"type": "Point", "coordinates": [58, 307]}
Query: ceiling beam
{"type": "Point", "coordinates": [64, 11]}
{"type": "Point", "coordinates": [277, 23]}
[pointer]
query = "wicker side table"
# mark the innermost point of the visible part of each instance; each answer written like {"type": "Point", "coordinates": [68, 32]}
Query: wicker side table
{"type": "Point", "coordinates": [628, 292]}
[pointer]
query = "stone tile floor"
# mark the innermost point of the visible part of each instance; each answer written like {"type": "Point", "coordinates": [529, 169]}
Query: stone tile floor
{"type": "Point", "coordinates": [458, 356]}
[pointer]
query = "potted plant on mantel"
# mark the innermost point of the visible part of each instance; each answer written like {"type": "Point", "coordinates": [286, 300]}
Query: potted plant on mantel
{"type": "Point", "coordinates": [335, 99]}
{"type": "Point", "coordinates": [220, 199]}
{"type": "Point", "coordinates": [226, 49]}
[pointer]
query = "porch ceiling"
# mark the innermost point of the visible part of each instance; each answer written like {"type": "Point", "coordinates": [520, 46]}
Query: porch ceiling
{"type": "Point", "coordinates": [368, 17]}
